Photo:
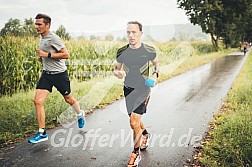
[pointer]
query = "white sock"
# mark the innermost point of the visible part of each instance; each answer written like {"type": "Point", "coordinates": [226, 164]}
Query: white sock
{"type": "Point", "coordinates": [41, 130]}
{"type": "Point", "coordinates": [81, 113]}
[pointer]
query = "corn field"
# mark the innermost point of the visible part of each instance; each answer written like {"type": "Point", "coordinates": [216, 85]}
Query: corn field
{"type": "Point", "coordinates": [18, 65]}
{"type": "Point", "coordinates": [20, 69]}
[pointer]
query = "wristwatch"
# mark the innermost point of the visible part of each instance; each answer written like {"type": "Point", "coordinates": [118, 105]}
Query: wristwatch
{"type": "Point", "coordinates": [155, 73]}
{"type": "Point", "coordinates": [49, 55]}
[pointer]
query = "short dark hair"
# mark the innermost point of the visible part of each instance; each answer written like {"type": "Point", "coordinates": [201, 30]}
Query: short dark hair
{"type": "Point", "coordinates": [138, 23]}
{"type": "Point", "coordinates": [47, 19]}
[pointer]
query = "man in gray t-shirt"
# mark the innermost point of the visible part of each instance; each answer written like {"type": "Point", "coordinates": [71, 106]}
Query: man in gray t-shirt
{"type": "Point", "coordinates": [52, 53]}
{"type": "Point", "coordinates": [136, 64]}
{"type": "Point", "coordinates": [51, 43]}
{"type": "Point", "coordinates": [134, 58]}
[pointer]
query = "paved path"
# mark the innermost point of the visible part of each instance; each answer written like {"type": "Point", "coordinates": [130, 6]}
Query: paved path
{"type": "Point", "coordinates": [178, 115]}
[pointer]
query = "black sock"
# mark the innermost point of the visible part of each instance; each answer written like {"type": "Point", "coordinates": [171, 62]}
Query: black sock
{"type": "Point", "coordinates": [44, 131]}
{"type": "Point", "coordinates": [136, 150]}
{"type": "Point", "coordinates": [145, 132]}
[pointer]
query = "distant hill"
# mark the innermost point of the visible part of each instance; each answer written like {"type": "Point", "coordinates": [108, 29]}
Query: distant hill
{"type": "Point", "coordinates": [160, 33]}
{"type": "Point", "coordinates": [190, 31]}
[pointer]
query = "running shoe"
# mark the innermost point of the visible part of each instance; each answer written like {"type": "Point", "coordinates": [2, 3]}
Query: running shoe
{"type": "Point", "coordinates": [39, 137]}
{"type": "Point", "coordinates": [134, 160]}
{"type": "Point", "coordinates": [81, 120]}
{"type": "Point", "coordinates": [145, 141]}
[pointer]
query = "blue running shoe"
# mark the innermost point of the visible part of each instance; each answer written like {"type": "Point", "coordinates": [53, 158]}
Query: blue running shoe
{"type": "Point", "coordinates": [39, 137]}
{"type": "Point", "coordinates": [81, 120]}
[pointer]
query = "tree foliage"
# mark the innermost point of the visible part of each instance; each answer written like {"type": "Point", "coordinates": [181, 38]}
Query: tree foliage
{"type": "Point", "coordinates": [92, 37]}
{"type": "Point", "coordinates": [29, 28]}
{"type": "Point", "coordinates": [62, 33]}
{"type": "Point", "coordinates": [16, 28]}
{"type": "Point", "coordinates": [227, 20]}
{"type": "Point", "coordinates": [12, 27]}
{"type": "Point", "coordinates": [109, 37]}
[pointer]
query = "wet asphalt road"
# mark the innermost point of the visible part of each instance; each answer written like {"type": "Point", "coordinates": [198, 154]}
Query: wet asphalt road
{"type": "Point", "coordinates": [178, 115]}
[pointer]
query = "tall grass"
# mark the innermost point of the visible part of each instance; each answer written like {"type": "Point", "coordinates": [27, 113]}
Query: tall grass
{"type": "Point", "coordinates": [20, 69]}
{"type": "Point", "coordinates": [90, 58]}
{"type": "Point", "coordinates": [231, 141]}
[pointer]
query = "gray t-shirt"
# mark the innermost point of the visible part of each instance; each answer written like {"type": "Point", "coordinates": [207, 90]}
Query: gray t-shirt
{"type": "Point", "coordinates": [136, 64]}
{"type": "Point", "coordinates": [52, 43]}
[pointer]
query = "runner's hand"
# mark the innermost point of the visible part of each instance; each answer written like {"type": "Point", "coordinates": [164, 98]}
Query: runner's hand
{"type": "Point", "coordinates": [41, 53]}
{"type": "Point", "coordinates": [39, 58]}
{"type": "Point", "coordinates": [120, 74]}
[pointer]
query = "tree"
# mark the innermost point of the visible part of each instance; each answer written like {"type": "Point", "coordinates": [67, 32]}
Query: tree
{"type": "Point", "coordinates": [15, 28]}
{"type": "Point", "coordinates": [12, 27]}
{"type": "Point", "coordinates": [208, 14]}
{"type": "Point", "coordinates": [82, 38]}
{"type": "Point", "coordinates": [98, 38]}
{"type": "Point", "coordinates": [239, 21]}
{"type": "Point", "coordinates": [234, 26]}
{"type": "Point", "coordinates": [109, 37]}
{"type": "Point", "coordinates": [29, 28]}
{"type": "Point", "coordinates": [228, 20]}
{"type": "Point", "coordinates": [92, 37]}
{"type": "Point", "coordinates": [62, 33]}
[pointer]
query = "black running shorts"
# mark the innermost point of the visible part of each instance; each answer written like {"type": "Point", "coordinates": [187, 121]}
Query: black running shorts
{"type": "Point", "coordinates": [136, 99]}
{"type": "Point", "coordinates": [60, 81]}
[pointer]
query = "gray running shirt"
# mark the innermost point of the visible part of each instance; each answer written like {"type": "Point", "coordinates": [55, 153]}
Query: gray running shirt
{"type": "Point", "coordinates": [136, 64]}
{"type": "Point", "coordinates": [52, 43]}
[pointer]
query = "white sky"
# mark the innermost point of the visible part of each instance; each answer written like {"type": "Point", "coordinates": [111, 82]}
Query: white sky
{"type": "Point", "coordinates": [94, 15]}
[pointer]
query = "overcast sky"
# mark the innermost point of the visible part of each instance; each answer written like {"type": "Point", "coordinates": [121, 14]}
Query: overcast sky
{"type": "Point", "coordinates": [94, 15]}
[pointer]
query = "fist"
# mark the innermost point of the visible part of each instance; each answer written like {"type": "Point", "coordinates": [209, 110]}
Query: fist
{"type": "Point", "coordinates": [39, 58]}
{"type": "Point", "coordinates": [120, 74]}
{"type": "Point", "coordinates": [41, 53]}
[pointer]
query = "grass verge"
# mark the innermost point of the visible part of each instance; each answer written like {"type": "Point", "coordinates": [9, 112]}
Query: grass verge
{"type": "Point", "coordinates": [229, 141]}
